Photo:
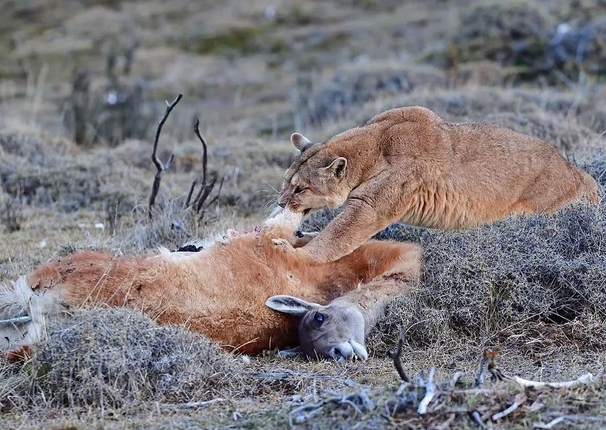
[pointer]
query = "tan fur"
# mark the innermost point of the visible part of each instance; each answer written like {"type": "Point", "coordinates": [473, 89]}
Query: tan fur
{"type": "Point", "coordinates": [408, 164]}
{"type": "Point", "coordinates": [220, 291]}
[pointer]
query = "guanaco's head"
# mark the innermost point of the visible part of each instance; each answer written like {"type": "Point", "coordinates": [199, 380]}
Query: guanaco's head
{"type": "Point", "coordinates": [334, 331]}
{"type": "Point", "coordinates": [315, 179]}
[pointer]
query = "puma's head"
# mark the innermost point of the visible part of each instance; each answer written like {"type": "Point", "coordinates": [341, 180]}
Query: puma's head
{"type": "Point", "coordinates": [315, 179]}
{"type": "Point", "coordinates": [335, 331]}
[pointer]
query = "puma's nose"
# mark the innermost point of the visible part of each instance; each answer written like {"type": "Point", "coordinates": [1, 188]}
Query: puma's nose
{"type": "Point", "coordinates": [281, 204]}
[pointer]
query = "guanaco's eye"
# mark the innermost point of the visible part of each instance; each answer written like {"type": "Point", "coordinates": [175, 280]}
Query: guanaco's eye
{"type": "Point", "coordinates": [319, 318]}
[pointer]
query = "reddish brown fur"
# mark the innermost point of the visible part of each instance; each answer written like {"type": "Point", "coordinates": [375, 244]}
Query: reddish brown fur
{"type": "Point", "coordinates": [220, 291]}
{"type": "Point", "coordinates": [20, 354]}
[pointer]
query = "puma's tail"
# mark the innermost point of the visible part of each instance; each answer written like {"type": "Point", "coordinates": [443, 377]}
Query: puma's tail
{"type": "Point", "coordinates": [23, 315]}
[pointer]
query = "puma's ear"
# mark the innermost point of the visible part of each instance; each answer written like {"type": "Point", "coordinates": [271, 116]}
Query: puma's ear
{"type": "Point", "coordinates": [290, 305]}
{"type": "Point", "coordinates": [300, 142]}
{"type": "Point", "coordinates": [337, 166]}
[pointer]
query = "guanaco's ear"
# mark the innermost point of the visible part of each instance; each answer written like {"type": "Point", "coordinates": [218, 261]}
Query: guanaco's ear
{"type": "Point", "coordinates": [290, 305]}
{"type": "Point", "coordinates": [337, 167]}
{"type": "Point", "coordinates": [300, 142]}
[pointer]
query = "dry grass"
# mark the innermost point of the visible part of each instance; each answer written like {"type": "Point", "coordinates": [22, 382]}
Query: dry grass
{"type": "Point", "coordinates": [533, 286]}
{"type": "Point", "coordinates": [506, 277]}
{"type": "Point", "coordinates": [112, 358]}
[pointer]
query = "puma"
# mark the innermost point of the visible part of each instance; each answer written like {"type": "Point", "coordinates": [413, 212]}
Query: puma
{"type": "Point", "coordinates": [408, 164]}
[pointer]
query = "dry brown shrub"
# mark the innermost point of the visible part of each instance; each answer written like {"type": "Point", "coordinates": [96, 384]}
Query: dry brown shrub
{"type": "Point", "coordinates": [596, 167]}
{"type": "Point", "coordinates": [114, 357]}
{"type": "Point", "coordinates": [50, 171]}
{"type": "Point", "coordinates": [562, 132]}
{"type": "Point", "coordinates": [34, 146]}
{"type": "Point", "coordinates": [506, 32]}
{"type": "Point", "coordinates": [349, 88]}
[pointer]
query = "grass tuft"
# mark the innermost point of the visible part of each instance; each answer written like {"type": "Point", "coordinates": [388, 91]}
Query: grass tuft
{"type": "Point", "coordinates": [112, 358]}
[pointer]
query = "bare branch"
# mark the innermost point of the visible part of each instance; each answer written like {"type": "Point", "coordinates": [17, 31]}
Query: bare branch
{"type": "Point", "coordinates": [199, 203]}
{"type": "Point", "coordinates": [191, 191]}
{"type": "Point", "coordinates": [585, 379]}
{"type": "Point", "coordinates": [199, 404]}
{"type": "Point", "coordinates": [204, 193]}
{"type": "Point", "coordinates": [216, 197]}
{"type": "Point", "coordinates": [487, 363]}
{"type": "Point", "coordinates": [430, 392]}
{"type": "Point", "coordinates": [16, 320]}
{"type": "Point", "coordinates": [519, 401]}
{"type": "Point", "coordinates": [573, 418]}
{"type": "Point", "coordinates": [396, 355]}
{"type": "Point", "coordinates": [161, 167]}
{"type": "Point", "coordinates": [478, 419]}
{"type": "Point", "coordinates": [204, 150]}
{"type": "Point", "coordinates": [455, 379]}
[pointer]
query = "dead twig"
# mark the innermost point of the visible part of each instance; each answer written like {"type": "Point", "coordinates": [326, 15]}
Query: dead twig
{"type": "Point", "coordinates": [455, 379]}
{"type": "Point", "coordinates": [585, 379]}
{"type": "Point", "coordinates": [204, 150]}
{"type": "Point", "coordinates": [191, 192]}
{"type": "Point", "coordinates": [161, 167]}
{"type": "Point", "coordinates": [199, 404]}
{"type": "Point", "coordinates": [551, 424]}
{"type": "Point", "coordinates": [216, 197]}
{"type": "Point", "coordinates": [199, 202]}
{"type": "Point", "coordinates": [360, 402]}
{"type": "Point", "coordinates": [520, 399]}
{"type": "Point", "coordinates": [478, 419]}
{"type": "Point", "coordinates": [430, 392]}
{"type": "Point", "coordinates": [573, 418]}
{"type": "Point", "coordinates": [16, 320]}
{"type": "Point", "coordinates": [489, 360]}
{"type": "Point", "coordinates": [487, 363]}
{"type": "Point", "coordinates": [396, 355]}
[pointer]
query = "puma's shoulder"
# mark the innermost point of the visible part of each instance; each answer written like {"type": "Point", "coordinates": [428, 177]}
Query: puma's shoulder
{"type": "Point", "coordinates": [406, 114]}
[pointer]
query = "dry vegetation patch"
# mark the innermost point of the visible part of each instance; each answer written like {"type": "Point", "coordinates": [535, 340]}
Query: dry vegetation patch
{"type": "Point", "coordinates": [509, 33]}
{"type": "Point", "coordinates": [113, 358]}
{"type": "Point", "coordinates": [69, 181]}
{"type": "Point", "coordinates": [483, 284]}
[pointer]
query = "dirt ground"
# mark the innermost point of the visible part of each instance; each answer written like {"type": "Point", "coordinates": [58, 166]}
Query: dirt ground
{"type": "Point", "coordinates": [82, 85]}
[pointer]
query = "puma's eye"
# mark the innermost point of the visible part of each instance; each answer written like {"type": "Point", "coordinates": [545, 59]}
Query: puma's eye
{"type": "Point", "coordinates": [319, 318]}
{"type": "Point", "coordinates": [299, 190]}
